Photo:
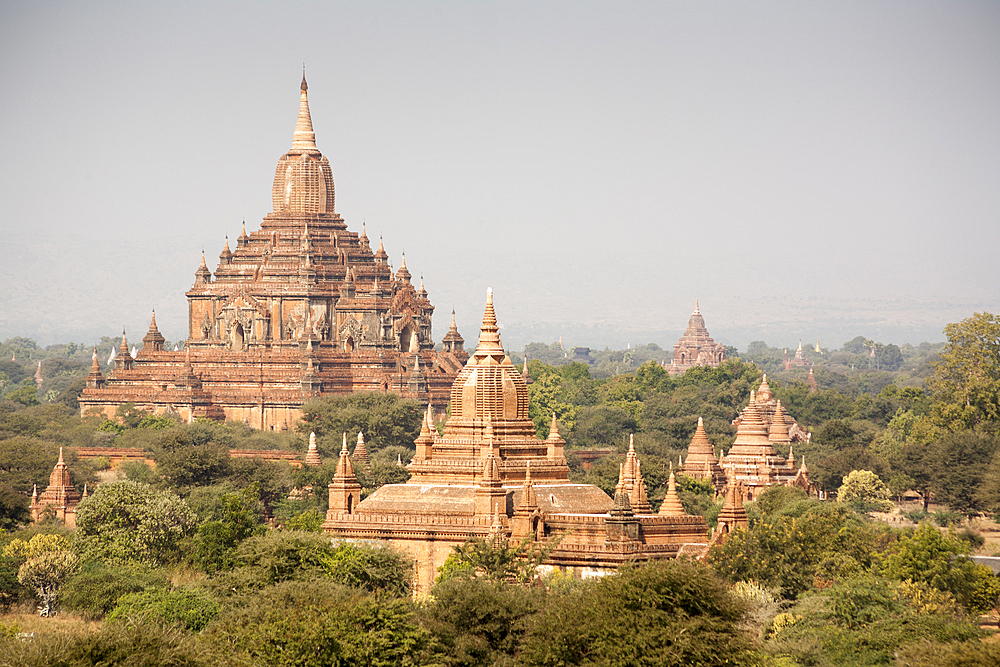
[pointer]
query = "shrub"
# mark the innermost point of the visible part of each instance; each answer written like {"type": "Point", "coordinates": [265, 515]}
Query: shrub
{"type": "Point", "coordinates": [95, 590]}
{"type": "Point", "coordinates": [323, 623]}
{"type": "Point", "coordinates": [189, 608]}
{"type": "Point", "coordinates": [285, 555]}
{"type": "Point", "coordinates": [117, 645]}
{"type": "Point", "coordinates": [478, 619]}
{"type": "Point", "coordinates": [310, 521]}
{"type": "Point", "coordinates": [659, 614]}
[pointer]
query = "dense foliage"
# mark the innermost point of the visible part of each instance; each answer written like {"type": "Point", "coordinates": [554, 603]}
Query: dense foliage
{"type": "Point", "coordinates": [208, 559]}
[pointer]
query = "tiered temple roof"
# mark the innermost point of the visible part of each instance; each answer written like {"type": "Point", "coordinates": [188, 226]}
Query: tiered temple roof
{"type": "Point", "coordinates": [489, 474]}
{"type": "Point", "coordinates": [696, 347]}
{"type": "Point", "coordinates": [753, 463]}
{"type": "Point", "coordinates": [301, 307]}
{"type": "Point", "coordinates": [701, 462]}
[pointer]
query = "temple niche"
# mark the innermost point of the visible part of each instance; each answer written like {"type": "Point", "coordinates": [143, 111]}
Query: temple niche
{"type": "Point", "coordinates": [301, 307]}
{"type": "Point", "coordinates": [489, 475]}
{"type": "Point", "coordinates": [696, 347]}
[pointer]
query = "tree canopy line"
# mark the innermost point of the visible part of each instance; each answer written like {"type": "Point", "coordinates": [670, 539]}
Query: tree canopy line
{"type": "Point", "coordinates": [207, 559]}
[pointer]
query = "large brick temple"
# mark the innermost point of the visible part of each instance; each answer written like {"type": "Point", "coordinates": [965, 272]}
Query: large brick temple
{"type": "Point", "coordinates": [489, 475]}
{"type": "Point", "coordinates": [300, 308]}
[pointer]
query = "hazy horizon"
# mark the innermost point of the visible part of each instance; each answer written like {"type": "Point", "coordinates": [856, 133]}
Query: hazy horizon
{"type": "Point", "coordinates": [811, 172]}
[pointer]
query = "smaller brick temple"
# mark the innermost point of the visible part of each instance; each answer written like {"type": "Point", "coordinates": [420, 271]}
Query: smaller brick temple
{"type": "Point", "coordinates": [60, 497]}
{"type": "Point", "coordinates": [489, 474]}
{"type": "Point", "coordinates": [696, 347]}
{"type": "Point", "coordinates": [752, 463]}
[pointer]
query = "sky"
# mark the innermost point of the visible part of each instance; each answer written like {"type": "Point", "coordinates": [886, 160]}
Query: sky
{"type": "Point", "coordinates": [811, 171]}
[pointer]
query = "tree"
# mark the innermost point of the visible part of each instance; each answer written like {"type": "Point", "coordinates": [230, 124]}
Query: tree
{"type": "Point", "coordinates": [863, 620]}
{"type": "Point", "coordinates": [888, 357]}
{"type": "Point", "coordinates": [939, 561]}
{"type": "Point", "coordinates": [26, 393]}
{"type": "Point", "coordinates": [864, 492]}
{"type": "Point", "coordinates": [323, 624]}
{"type": "Point", "coordinates": [130, 522]}
{"type": "Point", "coordinates": [46, 574]}
{"type": "Point", "coordinates": [660, 614]}
{"type": "Point", "coordinates": [479, 621]}
{"type": "Point", "coordinates": [790, 552]}
{"type": "Point", "coordinates": [241, 516]}
{"type": "Point", "coordinates": [385, 419]}
{"type": "Point", "coordinates": [45, 563]}
{"type": "Point", "coordinates": [545, 396]}
{"type": "Point", "coordinates": [966, 381]}
{"type": "Point", "coordinates": [13, 508]}
{"type": "Point", "coordinates": [957, 465]}
{"type": "Point", "coordinates": [284, 555]}
{"type": "Point", "coordinates": [495, 559]}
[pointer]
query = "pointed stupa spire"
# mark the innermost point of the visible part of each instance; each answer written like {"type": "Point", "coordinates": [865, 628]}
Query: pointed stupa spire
{"type": "Point", "coordinates": [778, 430]}
{"type": "Point", "coordinates": [403, 273]}
{"type": "Point", "coordinates": [764, 394]}
{"type": "Point", "coordinates": [61, 461]}
{"type": "Point", "coordinates": [672, 503]}
{"type": "Point", "coordinates": [123, 349]}
{"type": "Point", "coordinates": [696, 308]}
{"type": "Point", "coordinates": [304, 139]}
{"type": "Point", "coordinates": [360, 450]}
{"type": "Point", "coordinates": [95, 366]}
{"type": "Point", "coordinates": [528, 499]}
{"type": "Point", "coordinates": [489, 333]}
{"type": "Point", "coordinates": [243, 229]}
{"type": "Point", "coordinates": [554, 427]}
{"type": "Point", "coordinates": [312, 454]}
{"type": "Point", "coordinates": [34, 494]}
{"type": "Point", "coordinates": [345, 469]}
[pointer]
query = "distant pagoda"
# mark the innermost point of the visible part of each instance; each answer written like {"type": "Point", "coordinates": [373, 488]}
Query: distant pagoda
{"type": "Point", "coordinates": [696, 347]}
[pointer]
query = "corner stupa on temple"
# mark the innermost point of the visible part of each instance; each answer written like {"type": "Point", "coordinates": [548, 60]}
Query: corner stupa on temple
{"type": "Point", "coordinates": [696, 347]}
{"type": "Point", "coordinates": [489, 475]}
{"type": "Point", "coordinates": [299, 308]}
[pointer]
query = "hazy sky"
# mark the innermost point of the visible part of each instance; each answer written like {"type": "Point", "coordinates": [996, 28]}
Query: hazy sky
{"type": "Point", "coordinates": [808, 170]}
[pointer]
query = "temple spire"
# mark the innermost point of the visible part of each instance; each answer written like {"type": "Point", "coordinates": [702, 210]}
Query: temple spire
{"type": "Point", "coordinates": [304, 139]}
{"type": "Point", "coordinates": [489, 333]}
